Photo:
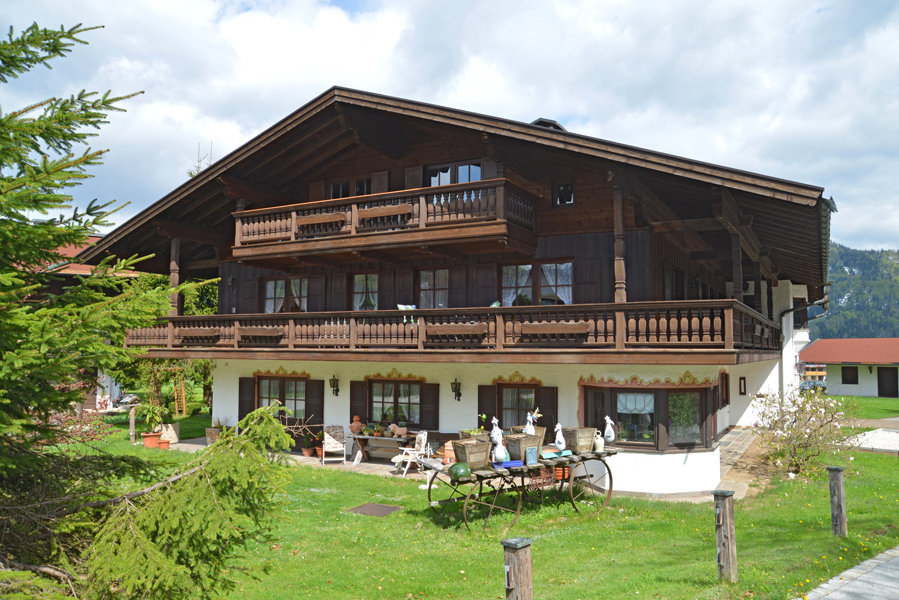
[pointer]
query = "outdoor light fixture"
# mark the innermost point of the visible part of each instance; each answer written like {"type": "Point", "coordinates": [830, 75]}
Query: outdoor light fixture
{"type": "Point", "coordinates": [334, 384]}
{"type": "Point", "coordinates": [457, 389]}
{"type": "Point", "coordinates": [870, 369]}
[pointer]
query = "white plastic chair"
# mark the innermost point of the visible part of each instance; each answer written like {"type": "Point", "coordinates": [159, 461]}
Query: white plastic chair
{"type": "Point", "coordinates": [334, 442]}
{"type": "Point", "coordinates": [411, 455]}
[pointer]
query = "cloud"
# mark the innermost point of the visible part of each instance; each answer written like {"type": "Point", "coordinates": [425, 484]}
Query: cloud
{"type": "Point", "coordinates": [797, 89]}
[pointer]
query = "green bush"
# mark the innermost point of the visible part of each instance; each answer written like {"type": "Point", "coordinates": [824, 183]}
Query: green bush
{"type": "Point", "coordinates": [194, 408]}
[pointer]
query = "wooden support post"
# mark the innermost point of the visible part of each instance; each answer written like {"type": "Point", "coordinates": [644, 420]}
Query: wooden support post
{"type": "Point", "coordinates": [620, 278]}
{"type": "Point", "coordinates": [737, 259]}
{"type": "Point", "coordinates": [620, 329]}
{"type": "Point", "coordinates": [352, 333]}
{"type": "Point", "coordinates": [170, 342]}
{"type": "Point", "coordinates": [422, 212]}
{"type": "Point", "coordinates": [757, 287]}
{"type": "Point", "coordinates": [725, 535]}
{"type": "Point", "coordinates": [422, 333]}
{"type": "Point", "coordinates": [518, 570]}
{"type": "Point", "coordinates": [770, 301]}
{"type": "Point", "coordinates": [500, 332]}
{"type": "Point", "coordinates": [175, 275]}
{"type": "Point", "coordinates": [131, 415]}
{"type": "Point", "coordinates": [354, 218]}
{"type": "Point", "coordinates": [837, 502]}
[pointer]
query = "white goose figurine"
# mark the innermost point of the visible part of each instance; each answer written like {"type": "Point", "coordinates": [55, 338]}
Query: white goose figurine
{"type": "Point", "coordinates": [529, 427]}
{"type": "Point", "coordinates": [609, 435]}
{"type": "Point", "coordinates": [560, 439]}
{"type": "Point", "coordinates": [500, 454]}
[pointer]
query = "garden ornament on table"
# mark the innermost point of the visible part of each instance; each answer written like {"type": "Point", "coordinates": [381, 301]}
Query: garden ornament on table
{"type": "Point", "coordinates": [610, 430]}
{"type": "Point", "coordinates": [599, 443]}
{"type": "Point", "coordinates": [398, 431]}
{"type": "Point", "coordinates": [356, 426]}
{"type": "Point", "coordinates": [529, 428]}
{"type": "Point", "coordinates": [560, 439]}
{"type": "Point", "coordinates": [500, 454]}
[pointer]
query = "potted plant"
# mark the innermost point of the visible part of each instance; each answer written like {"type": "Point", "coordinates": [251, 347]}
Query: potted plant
{"type": "Point", "coordinates": [479, 434]}
{"type": "Point", "coordinates": [319, 442]}
{"type": "Point", "coordinates": [153, 415]}
{"type": "Point", "coordinates": [379, 430]}
{"type": "Point", "coordinates": [213, 433]}
{"type": "Point", "coordinates": [308, 444]}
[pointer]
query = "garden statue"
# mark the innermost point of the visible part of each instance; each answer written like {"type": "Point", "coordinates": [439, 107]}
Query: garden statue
{"type": "Point", "coordinates": [356, 426]}
{"type": "Point", "coordinates": [500, 454]}
{"type": "Point", "coordinates": [529, 428]}
{"type": "Point", "coordinates": [398, 431]}
{"type": "Point", "coordinates": [560, 439]}
{"type": "Point", "coordinates": [599, 443]}
{"type": "Point", "coordinates": [610, 431]}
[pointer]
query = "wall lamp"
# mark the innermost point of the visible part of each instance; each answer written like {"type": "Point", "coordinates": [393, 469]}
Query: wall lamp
{"type": "Point", "coordinates": [335, 385]}
{"type": "Point", "coordinates": [870, 369]}
{"type": "Point", "coordinates": [457, 389]}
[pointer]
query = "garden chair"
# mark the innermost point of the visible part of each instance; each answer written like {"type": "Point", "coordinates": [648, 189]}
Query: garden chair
{"type": "Point", "coordinates": [334, 442]}
{"type": "Point", "coordinates": [411, 455]}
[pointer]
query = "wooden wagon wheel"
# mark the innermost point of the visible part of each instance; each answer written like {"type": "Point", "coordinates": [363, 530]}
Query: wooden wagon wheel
{"type": "Point", "coordinates": [500, 496]}
{"type": "Point", "coordinates": [591, 490]}
{"type": "Point", "coordinates": [442, 492]}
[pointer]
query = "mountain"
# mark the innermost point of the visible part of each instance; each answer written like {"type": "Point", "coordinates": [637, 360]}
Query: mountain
{"type": "Point", "coordinates": [864, 298]}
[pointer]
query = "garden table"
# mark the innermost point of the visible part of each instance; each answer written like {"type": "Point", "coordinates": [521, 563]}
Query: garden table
{"type": "Point", "coordinates": [362, 442]}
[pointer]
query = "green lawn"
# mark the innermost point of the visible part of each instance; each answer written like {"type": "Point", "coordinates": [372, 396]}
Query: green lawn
{"type": "Point", "coordinates": [191, 427]}
{"type": "Point", "coordinates": [874, 408]}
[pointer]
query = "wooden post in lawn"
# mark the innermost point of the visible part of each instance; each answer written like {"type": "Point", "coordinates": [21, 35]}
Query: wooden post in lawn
{"type": "Point", "coordinates": [837, 502]}
{"type": "Point", "coordinates": [131, 423]}
{"type": "Point", "coordinates": [517, 566]}
{"type": "Point", "coordinates": [725, 535]}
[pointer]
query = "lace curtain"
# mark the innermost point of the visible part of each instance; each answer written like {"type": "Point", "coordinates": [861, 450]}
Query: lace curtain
{"type": "Point", "coordinates": [558, 277]}
{"type": "Point", "coordinates": [514, 278]}
{"type": "Point", "coordinates": [365, 292]}
{"type": "Point", "coordinates": [274, 296]}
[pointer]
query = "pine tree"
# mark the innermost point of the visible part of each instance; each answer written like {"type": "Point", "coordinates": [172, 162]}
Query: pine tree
{"type": "Point", "coordinates": [73, 519]}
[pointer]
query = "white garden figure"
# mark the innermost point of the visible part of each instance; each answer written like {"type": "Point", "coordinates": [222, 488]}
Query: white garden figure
{"type": "Point", "coordinates": [529, 427]}
{"type": "Point", "coordinates": [500, 454]}
{"type": "Point", "coordinates": [610, 431]}
{"type": "Point", "coordinates": [560, 439]}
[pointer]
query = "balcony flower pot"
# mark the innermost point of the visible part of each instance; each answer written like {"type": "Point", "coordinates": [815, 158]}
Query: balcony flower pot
{"type": "Point", "coordinates": [163, 444]}
{"type": "Point", "coordinates": [151, 440]}
{"type": "Point", "coordinates": [171, 432]}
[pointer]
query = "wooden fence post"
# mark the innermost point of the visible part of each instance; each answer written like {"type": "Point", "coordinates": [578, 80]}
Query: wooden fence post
{"type": "Point", "coordinates": [837, 502]}
{"type": "Point", "coordinates": [725, 535]}
{"type": "Point", "coordinates": [131, 433]}
{"type": "Point", "coordinates": [518, 572]}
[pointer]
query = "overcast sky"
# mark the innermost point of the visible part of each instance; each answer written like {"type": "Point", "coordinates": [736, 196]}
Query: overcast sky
{"type": "Point", "coordinates": [807, 91]}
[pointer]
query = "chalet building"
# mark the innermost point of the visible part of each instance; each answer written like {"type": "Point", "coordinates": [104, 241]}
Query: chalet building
{"type": "Point", "coordinates": [374, 253]}
{"type": "Point", "coordinates": [857, 366]}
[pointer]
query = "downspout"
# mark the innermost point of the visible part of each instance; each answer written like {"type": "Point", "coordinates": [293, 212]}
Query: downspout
{"type": "Point", "coordinates": [825, 302]}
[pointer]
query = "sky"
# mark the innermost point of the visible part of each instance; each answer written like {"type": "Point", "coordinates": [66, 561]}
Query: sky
{"type": "Point", "coordinates": [801, 90]}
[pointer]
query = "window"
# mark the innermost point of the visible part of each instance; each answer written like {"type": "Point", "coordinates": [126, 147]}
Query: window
{"type": "Point", "coordinates": [349, 187]}
{"type": "Point", "coordinates": [396, 402]}
{"type": "Point", "coordinates": [684, 418]}
{"type": "Point", "coordinates": [635, 416]}
{"type": "Point", "coordinates": [365, 291]}
{"type": "Point", "coordinates": [286, 295]}
{"type": "Point", "coordinates": [850, 375]}
{"type": "Point", "coordinates": [290, 393]}
{"type": "Point", "coordinates": [800, 317]}
{"type": "Point", "coordinates": [460, 172]}
{"type": "Point", "coordinates": [517, 402]}
{"type": "Point", "coordinates": [433, 289]}
{"type": "Point", "coordinates": [563, 194]}
{"type": "Point", "coordinates": [553, 284]}
{"type": "Point", "coordinates": [674, 283]}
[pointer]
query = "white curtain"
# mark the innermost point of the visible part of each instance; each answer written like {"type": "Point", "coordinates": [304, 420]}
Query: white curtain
{"type": "Point", "coordinates": [514, 278]}
{"type": "Point", "coordinates": [365, 292]}
{"type": "Point", "coordinates": [637, 404]}
{"type": "Point", "coordinates": [558, 276]}
{"type": "Point", "coordinates": [299, 292]}
{"type": "Point", "coordinates": [274, 296]}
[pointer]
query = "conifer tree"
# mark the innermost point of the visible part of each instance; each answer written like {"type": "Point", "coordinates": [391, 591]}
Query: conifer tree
{"type": "Point", "coordinates": [73, 519]}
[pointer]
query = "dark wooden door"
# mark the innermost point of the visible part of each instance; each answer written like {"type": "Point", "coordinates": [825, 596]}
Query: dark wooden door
{"type": "Point", "coordinates": [888, 382]}
{"type": "Point", "coordinates": [359, 401]}
{"type": "Point", "coordinates": [430, 406]}
{"type": "Point", "coordinates": [246, 396]}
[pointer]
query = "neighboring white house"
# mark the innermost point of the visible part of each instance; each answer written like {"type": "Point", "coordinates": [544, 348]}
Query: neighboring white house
{"type": "Point", "coordinates": [858, 367]}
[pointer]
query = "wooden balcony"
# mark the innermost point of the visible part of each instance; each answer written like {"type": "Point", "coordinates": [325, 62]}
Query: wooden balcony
{"type": "Point", "coordinates": [701, 325]}
{"type": "Point", "coordinates": [493, 212]}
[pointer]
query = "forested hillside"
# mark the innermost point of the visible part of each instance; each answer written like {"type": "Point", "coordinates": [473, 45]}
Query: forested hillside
{"type": "Point", "coordinates": [864, 299]}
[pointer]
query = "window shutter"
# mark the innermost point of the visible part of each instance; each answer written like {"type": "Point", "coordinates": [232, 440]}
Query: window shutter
{"type": "Point", "coordinates": [385, 291]}
{"type": "Point", "coordinates": [358, 401]}
{"type": "Point", "coordinates": [457, 287]}
{"type": "Point", "coordinates": [315, 401]}
{"type": "Point", "coordinates": [338, 292]}
{"type": "Point", "coordinates": [489, 169]}
{"type": "Point", "coordinates": [246, 396]}
{"type": "Point", "coordinates": [485, 292]}
{"type": "Point", "coordinates": [413, 178]}
{"type": "Point", "coordinates": [316, 299]}
{"type": "Point", "coordinates": [405, 287]}
{"type": "Point", "coordinates": [379, 182]}
{"type": "Point", "coordinates": [487, 404]}
{"type": "Point", "coordinates": [316, 191]}
{"type": "Point", "coordinates": [547, 400]}
{"type": "Point", "coordinates": [430, 406]}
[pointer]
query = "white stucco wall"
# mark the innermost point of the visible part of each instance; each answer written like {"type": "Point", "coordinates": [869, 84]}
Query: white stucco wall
{"type": "Point", "coordinates": [666, 473]}
{"type": "Point", "coordinates": [866, 386]}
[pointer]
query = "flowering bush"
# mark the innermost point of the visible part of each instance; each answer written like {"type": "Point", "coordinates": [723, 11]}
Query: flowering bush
{"type": "Point", "coordinates": [797, 428]}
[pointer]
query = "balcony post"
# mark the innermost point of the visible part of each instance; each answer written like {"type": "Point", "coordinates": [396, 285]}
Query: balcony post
{"type": "Point", "coordinates": [422, 212]}
{"type": "Point", "coordinates": [352, 332]}
{"type": "Point", "coordinates": [422, 333]}
{"type": "Point", "coordinates": [620, 329]}
{"type": "Point", "coordinates": [236, 334]}
{"type": "Point", "coordinates": [171, 335]}
{"type": "Point", "coordinates": [291, 330]}
{"type": "Point", "coordinates": [500, 203]}
{"type": "Point", "coordinates": [770, 301]}
{"type": "Point", "coordinates": [729, 328]}
{"type": "Point", "coordinates": [354, 218]}
{"type": "Point", "coordinates": [620, 271]}
{"type": "Point", "coordinates": [757, 287]}
{"type": "Point", "coordinates": [175, 276]}
{"type": "Point", "coordinates": [293, 225]}
{"type": "Point", "coordinates": [736, 255]}
{"type": "Point", "coordinates": [500, 332]}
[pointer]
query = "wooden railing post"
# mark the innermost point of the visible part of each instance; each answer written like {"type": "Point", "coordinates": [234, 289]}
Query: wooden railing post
{"type": "Point", "coordinates": [518, 568]}
{"type": "Point", "coordinates": [291, 332]}
{"type": "Point", "coordinates": [352, 333]}
{"type": "Point", "coordinates": [725, 537]}
{"type": "Point", "coordinates": [500, 332]}
{"type": "Point", "coordinates": [620, 329]}
{"type": "Point", "coordinates": [729, 328]}
{"type": "Point", "coordinates": [238, 230]}
{"type": "Point", "coordinates": [293, 225]}
{"type": "Point", "coordinates": [422, 211]}
{"type": "Point", "coordinates": [171, 335]}
{"type": "Point", "coordinates": [236, 334]}
{"type": "Point", "coordinates": [131, 415]}
{"type": "Point", "coordinates": [422, 333]}
{"type": "Point", "coordinates": [837, 502]}
{"type": "Point", "coordinates": [354, 218]}
{"type": "Point", "coordinates": [500, 203]}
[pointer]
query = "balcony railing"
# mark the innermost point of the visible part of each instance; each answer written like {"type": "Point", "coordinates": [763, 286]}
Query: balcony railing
{"type": "Point", "coordinates": [490, 200]}
{"type": "Point", "coordinates": [699, 324]}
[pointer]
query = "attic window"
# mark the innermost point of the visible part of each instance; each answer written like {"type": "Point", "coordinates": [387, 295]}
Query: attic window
{"type": "Point", "coordinates": [563, 193]}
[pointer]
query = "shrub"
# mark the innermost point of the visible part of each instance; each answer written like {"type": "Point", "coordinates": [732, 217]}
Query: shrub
{"type": "Point", "coordinates": [797, 428]}
{"type": "Point", "coordinates": [194, 408]}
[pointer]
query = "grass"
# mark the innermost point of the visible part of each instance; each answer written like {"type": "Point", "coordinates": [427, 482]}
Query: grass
{"type": "Point", "coordinates": [191, 427]}
{"type": "Point", "coordinates": [873, 408]}
{"type": "Point", "coordinates": [636, 548]}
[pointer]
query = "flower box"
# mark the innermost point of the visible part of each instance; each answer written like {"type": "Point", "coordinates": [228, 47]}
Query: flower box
{"type": "Point", "coordinates": [540, 432]}
{"type": "Point", "coordinates": [482, 435]}
{"type": "Point", "coordinates": [579, 439]}
{"type": "Point", "coordinates": [518, 443]}
{"type": "Point", "coordinates": [474, 452]}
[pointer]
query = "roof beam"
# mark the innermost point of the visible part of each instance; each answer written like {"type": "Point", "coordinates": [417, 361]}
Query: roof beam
{"type": "Point", "coordinates": [711, 255]}
{"type": "Point", "coordinates": [710, 224]}
{"type": "Point", "coordinates": [316, 261]}
{"type": "Point", "coordinates": [194, 233]}
{"type": "Point", "coordinates": [727, 211]}
{"type": "Point", "coordinates": [253, 193]}
{"type": "Point", "coordinates": [373, 131]}
{"type": "Point", "coordinates": [442, 251]}
{"type": "Point", "coordinates": [378, 256]}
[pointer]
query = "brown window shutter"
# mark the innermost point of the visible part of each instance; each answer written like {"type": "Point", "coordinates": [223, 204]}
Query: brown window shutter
{"type": "Point", "coordinates": [315, 401]}
{"type": "Point", "coordinates": [413, 178]}
{"type": "Point", "coordinates": [405, 287]}
{"type": "Point", "coordinates": [489, 169]}
{"type": "Point", "coordinates": [379, 182]}
{"type": "Point", "coordinates": [358, 401]}
{"type": "Point", "coordinates": [547, 400]}
{"type": "Point", "coordinates": [385, 291]}
{"type": "Point", "coordinates": [487, 405]}
{"type": "Point", "coordinates": [316, 299]}
{"type": "Point", "coordinates": [246, 396]}
{"type": "Point", "coordinates": [316, 191]}
{"type": "Point", "coordinates": [430, 406]}
{"type": "Point", "coordinates": [457, 287]}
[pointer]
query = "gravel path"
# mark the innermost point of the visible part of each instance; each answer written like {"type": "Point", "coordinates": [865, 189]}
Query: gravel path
{"type": "Point", "coordinates": [879, 439]}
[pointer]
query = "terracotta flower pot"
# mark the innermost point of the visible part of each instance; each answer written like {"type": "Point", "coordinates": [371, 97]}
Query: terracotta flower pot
{"type": "Point", "coordinates": [163, 444]}
{"type": "Point", "coordinates": [151, 440]}
{"type": "Point", "coordinates": [308, 451]}
{"type": "Point", "coordinates": [318, 451]}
